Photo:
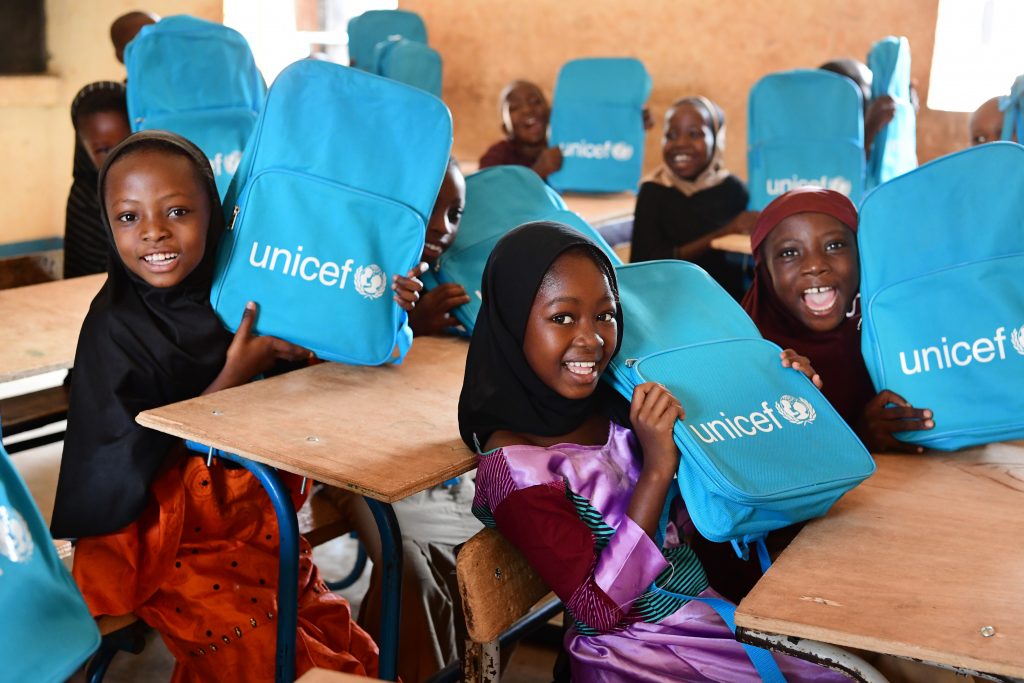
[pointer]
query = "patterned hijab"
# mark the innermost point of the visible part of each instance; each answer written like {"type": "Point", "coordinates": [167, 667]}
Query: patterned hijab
{"type": "Point", "coordinates": [715, 172]}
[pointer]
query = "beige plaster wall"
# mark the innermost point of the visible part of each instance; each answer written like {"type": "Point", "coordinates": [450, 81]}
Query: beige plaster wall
{"type": "Point", "coordinates": [718, 49]}
{"type": "Point", "coordinates": [35, 129]}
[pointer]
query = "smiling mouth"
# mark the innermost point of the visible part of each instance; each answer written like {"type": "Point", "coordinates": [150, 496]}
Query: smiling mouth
{"type": "Point", "coordinates": [584, 371]}
{"type": "Point", "coordinates": [821, 300]}
{"type": "Point", "coordinates": [161, 261]}
{"type": "Point", "coordinates": [680, 159]}
{"type": "Point", "coordinates": [434, 248]}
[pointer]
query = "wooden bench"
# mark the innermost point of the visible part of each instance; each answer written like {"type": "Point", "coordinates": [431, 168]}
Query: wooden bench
{"type": "Point", "coordinates": [502, 599]}
{"type": "Point", "coordinates": [31, 411]}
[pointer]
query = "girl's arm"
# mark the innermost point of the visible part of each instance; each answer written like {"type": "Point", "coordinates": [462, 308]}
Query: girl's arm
{"type": "Point", "coordinates": [653, 413]}
{"type": "Point", "coordinates": [250, 355]}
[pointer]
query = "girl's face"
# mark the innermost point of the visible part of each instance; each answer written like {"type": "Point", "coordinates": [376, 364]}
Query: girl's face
{"type": "Point", "coordinates": [571, 332]}
{"type": "Point", "coordinates": [100, 132]}
{"type": "Point", "coordinates": [525, 114]}
{"type": "Point", "coordinates": [159, 212]}
{"type": "Point", "coordinates": [812, 260]}
{"type": "Point", "coordinates": [443, 226]}
{"type": "Point", "coordinates": [688, 141]}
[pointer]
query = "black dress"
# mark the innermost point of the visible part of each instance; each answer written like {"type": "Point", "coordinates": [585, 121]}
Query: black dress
{"type": "Point", "coordinates": [665, 218]}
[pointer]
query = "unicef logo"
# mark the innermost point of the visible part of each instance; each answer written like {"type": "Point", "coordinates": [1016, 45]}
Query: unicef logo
{"type": "Point", "coordinates": [622, 151]}
{"type": "Point", "coordinates": [15, 540]}
{"type": "Point", "coordinates": [799, 411]}
{"type": "Point", "coordinates": [1017, 339]}
{"type": "Point", "coordinates": [371, 281]}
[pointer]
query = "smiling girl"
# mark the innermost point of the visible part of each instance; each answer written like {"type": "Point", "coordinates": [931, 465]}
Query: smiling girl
{"type": "Point", "coordinates": [524, 121]}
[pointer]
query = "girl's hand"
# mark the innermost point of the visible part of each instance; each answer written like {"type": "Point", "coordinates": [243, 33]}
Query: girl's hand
{"type": "Point", "coordinates": [653, 412]}
{"type": "Point", "coordinates": [549, 161]}
{"type": "Point", "coordinates": [433, 313]}
{"type": "Point", "coordinates": [407, 289]}
{"type": "Point", "coordinates": [881, 420]}
{"type": "Point", "coordinates": [250, 355]}
{"type": "Point", "coordinates": [792, 359]}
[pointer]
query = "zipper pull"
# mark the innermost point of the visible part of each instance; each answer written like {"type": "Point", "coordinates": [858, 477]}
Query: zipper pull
{"type": "Point", "coordinates": [234, 215]}
{"type": "Point", "coordinates": [630, 362]}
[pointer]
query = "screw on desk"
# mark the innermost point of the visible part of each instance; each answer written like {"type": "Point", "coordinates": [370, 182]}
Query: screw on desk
{"type": "Point", "coordinates": [988, 631]}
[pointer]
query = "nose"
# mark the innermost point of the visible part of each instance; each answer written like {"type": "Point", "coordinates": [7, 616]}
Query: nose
{"type": "Point", "coordinates": [155, 229]}
{"type": "Point", "coordinates": [587, 336]}
{"type": "Point", "coordinates": [815, 263]}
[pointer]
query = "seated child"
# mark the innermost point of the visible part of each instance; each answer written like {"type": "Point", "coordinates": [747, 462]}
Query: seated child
{"type": "Point", "coordinates": [191, 549]}
{"type": "Point", "coordinates": [986, 123]}
{"type": "Point", "coordinates": [524, 121]}
{"type": "Point", "coordinates": [432, 313]}
{"type": "Point", "coordinates": [692, 198]}
{"type": "Point", "coordinates": [99, 114]}
{"type": "Point", "coordinates": [804, 297]}
{"type": "Point", "coordinates": [577, 480]}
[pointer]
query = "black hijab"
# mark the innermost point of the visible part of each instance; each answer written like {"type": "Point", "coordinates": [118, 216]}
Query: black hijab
{"type": "Point", "coordinates": [500, 390]}
{"type": "Point", "coordinates": [140, 347]}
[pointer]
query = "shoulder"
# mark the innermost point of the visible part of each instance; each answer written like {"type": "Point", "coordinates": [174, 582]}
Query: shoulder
{"type": "Point", "coordinates": [504, 438]}
{"type": "Point", "coordinates": [653, 194]}
{"type": "Point", "coordinates": [735, 187]}
{"type": "Point", "coordinates": [496, 154]}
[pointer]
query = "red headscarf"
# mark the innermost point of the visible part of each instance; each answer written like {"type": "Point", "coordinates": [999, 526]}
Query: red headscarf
{"type": "Point", "coordinates": [835, 354]}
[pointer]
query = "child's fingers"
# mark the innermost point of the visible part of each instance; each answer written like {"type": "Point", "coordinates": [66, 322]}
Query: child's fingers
{"type": "Point", "coordinates": [639, 396]}
{"type": "Point", "coordinates": [287, 351]}
{"type": "Point", "coordinates": [885, 397]}
{"type": "Point", "coordinates": [816, 381]}
{"type": "Point", "coordinates": [406, 306]}
{"type": "Point", "coordinates": [905, 413]}
{"type": "Point", "coordinates": [406, 283]}
{"type": "Point", "coordinates": [248, 320]}
{"type": "Point", "coordinates": [406, 294]}
{"type": "Point", "coordinates": [454, 301]}
{"type": "Point", "coordinates": [418, 269]}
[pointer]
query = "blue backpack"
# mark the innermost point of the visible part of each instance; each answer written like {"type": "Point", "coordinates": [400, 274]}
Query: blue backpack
{"type": "Point", "coordinates": [47, 631]}
{"type": "Point", "coordinates": [409, 62]}
{"type": "Point", "coordinates": [499, 199]}
{"type": "Point", "coordinates": [331, 200]}
{"type": "Point", "coordinates": [370, 28]}
{"type": "Point", "coordinates": [805, 127]}
{"type": "Point", "coordinates": [1013, 107]}
{"type": "Point", "coordinates": [761, 447]}
{"type": "Point", "coordinates": [597, 121]}
{"type": "Point", "coordinates": [197, 79]}
{"type": "Point", "coordinates": [941, 265]}
{"type": "Point", "coordinates": [894, 150]}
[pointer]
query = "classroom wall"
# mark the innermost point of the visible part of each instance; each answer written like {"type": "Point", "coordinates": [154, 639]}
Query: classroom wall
{"type": "Point", "coordinates": [35, 127]}
{"type": "Point", "coordinates": [718, 49]}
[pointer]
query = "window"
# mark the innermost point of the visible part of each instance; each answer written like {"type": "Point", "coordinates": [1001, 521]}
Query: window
{"type": "Point", "coordinates": [22, 37]}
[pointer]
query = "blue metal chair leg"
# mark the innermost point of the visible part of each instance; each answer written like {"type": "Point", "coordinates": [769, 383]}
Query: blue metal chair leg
{"type": "Point", "coordinates": [391, 596]}
{"type": "Point", "coordinates": [288, 574]}
{"type": "Point", "coordinates": [98, 665]}
{"type": "Point", "coordinates": [357, 570]}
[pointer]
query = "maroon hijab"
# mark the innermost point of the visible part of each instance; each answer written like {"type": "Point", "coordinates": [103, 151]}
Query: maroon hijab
{"type": "Point", "coordinates": [835, 354]}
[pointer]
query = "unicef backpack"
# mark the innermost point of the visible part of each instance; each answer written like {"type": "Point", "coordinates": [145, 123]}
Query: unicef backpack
{"type": "Point", "coordinates": [941, 265]}
{"type": "Point", "coordinates": [805, 127]}
{"type": "Point", "coordinates": [597, 121]}
{"type": "Point", "coordinates": [499, 199]}
{"type": "Point", "coordinates": [370, 28]}
{"type": "Point", "coordinates": [894, 150]}
{"type": "Point", "coordinates": [1013, 107]}
{"type": "Point", "coordinates": [331, 200]}
{"type": "Point", "coordinates": [761, 447]}
{"type": "Point", "coordinates": [197, 79]}
{"type": "Point", "coordinates": [410, 62]}
{"type": "Point", "coordinates": [47, 631]}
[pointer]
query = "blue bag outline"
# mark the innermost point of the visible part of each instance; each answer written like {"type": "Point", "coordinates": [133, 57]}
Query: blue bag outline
{"type": "Point", "coordinates": [894, 149]}
{"type": "Point", "coordinates": [373, 26]}
{"type": "Point", "coordinates": [410, 62]}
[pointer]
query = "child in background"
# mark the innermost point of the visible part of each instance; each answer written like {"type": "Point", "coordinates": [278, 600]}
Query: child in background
{"type": "Point", "coordinates": [524, 114]}
{"type": "Point", "coordinates": [804, 297]}
{"type": "Point", "coordinates": [432, 314]}
{"type": "Point", "coordinates": [877, 112]}
{"type": "Point", "coordinates": [191, 549]}
{"type": "Point", "coordinates": [692, 198]}
{"type": "Point", "coordinates": [126, 27]}
{"type": "Point", "coordinates": [562, 477]}
{"type": "Point", "coordinates": [986, 123]}
{"type": "Point", "coordinates": [99, 114]}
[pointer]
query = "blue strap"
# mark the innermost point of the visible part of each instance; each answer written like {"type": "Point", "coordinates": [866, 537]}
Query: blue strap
{"type": "Point", "coordinates": [762, 660]}
{"type": "Point", "coordinates": [762, 554]}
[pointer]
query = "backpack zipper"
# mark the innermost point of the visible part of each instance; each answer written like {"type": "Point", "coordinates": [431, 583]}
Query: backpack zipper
{"type": "Point", "coordinates": [234, 216]}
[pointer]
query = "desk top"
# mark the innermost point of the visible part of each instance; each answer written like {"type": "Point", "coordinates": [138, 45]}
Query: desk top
{"type": "Point", "coordinates": [386, 432]}
{"type": "Point", "coordinates": [915, 562]}
{"type": "Point", "coordinates": [326, 676]}
{"type": "Point", "coordinates": [735, 243]}
{"type": "Point", "coordinates": [41, 325]}
{"type": "Point", "coordinates": [598, 209]}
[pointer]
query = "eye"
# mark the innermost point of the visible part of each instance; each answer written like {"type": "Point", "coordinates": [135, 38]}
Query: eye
{"type": "Point", "coordinates": [562, 319]}
{"type": "Point", "coordinates": [178, 212]}
{"type": "Point", "coordinates": [606, 317]}
{"type": "Point", "coordinates": [788, 252]}
{"type": "Point", "coordinates": [126, 217]}
{"type": "Point", "coordinates": [455, 214]}
{"type": "Point", "coordinates": [834, 245]}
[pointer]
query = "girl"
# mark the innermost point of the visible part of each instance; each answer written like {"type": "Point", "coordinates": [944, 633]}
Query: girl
{"type": "Point", "coordinates": [524, 121]}
{"type": "Point", "coordinates": [99, 114]}
{"type": "Point", "coordinates": [190, 549]}
{"type": "Point", "coordinates": [805, 296]}
{"type": "Point", "coordinates": [691, 198]}
{"type": "Point", "coordinates": [566, 481]}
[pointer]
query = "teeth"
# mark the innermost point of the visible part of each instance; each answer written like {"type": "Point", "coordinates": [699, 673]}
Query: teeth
{"type": "Point", "coordinates": [817, 290]}
{"type": "Point", "coordinates": [432, 247]}
{"type": "Point", "coordinates": [159, 258]}
{"type": "Point", "coordinates": [581, 367]}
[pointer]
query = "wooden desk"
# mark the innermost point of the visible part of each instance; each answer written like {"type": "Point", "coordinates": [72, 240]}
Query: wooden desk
{"type": "Point", "coordinates": [735, 243]}
{"type": "Point", "coordinates": [914, 562]}
{"type": "Point", "coordinates": [598, 209]}
{"type": "Point", "coordinates": [325, 676]}
{"type": "Point", "coordinates": [384, 432]}
{"type": "Point", "coordinates": [41, 325]}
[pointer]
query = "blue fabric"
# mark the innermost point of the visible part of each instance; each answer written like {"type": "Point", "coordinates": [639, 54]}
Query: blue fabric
{"type": "Point", "coordinates": [47, 631]}
{"type": "Point", "coordinates": [941, 258]}
{"type": "Point", "coordinates": [805, 127]}
{"type": "Point", "coordinates": [370, 28]}
{"type": "Point", "coordinates": [410, 62]}
{"type": "Point", "coordinates": [597, 121]}
{"type": "Point", "coordinates": [197, 79]}
{"type": "Point", "coordinates": [1012, 106]}
{"type": "Point", "coordinates": [761, 447]}
{"type": "Point", "coordinates": [894, 150]}
{"type": "Point", "coordinates": [499, 199]}
{"type": "Point", "coordinates": [349, 188]}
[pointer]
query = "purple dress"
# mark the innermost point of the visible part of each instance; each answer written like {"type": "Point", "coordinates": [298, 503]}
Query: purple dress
{"type": "Point", "coordinates": [565, 507]}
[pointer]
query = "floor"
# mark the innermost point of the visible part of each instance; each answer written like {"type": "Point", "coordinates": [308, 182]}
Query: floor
{"type": "Point", "coordinates": [39, 468]}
